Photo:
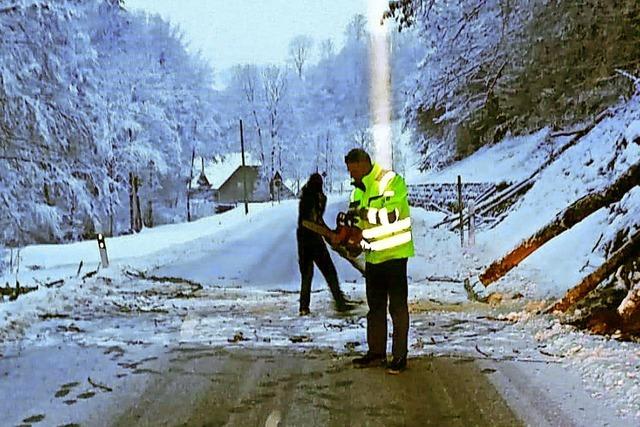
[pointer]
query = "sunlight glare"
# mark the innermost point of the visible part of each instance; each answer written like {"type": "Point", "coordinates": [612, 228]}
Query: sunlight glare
{"type": "Point", "coordinates": [380, 91]}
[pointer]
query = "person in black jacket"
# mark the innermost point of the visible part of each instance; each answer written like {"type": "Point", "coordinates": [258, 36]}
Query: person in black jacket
{"type": "Point", "coordinates": [312, 248]}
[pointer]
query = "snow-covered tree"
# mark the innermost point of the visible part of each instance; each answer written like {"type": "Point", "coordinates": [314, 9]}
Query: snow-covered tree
{"type": "Point", "coordinates": [245, 90]}
{"type": "Point", "coordinates": [491, 67]}
{"type": "Point", "coordinates": [311, 125]}
{"type": "Point", "coordinates": [90, 94]}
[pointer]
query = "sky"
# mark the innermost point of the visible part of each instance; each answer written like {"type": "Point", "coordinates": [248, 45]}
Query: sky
{"type": "Point", "coordinates": [252, 31]}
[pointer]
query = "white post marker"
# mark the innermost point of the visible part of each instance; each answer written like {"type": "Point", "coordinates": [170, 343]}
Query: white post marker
{"type": "Point", "coordinates": [472, 224]}
{"type": "Point", "coordinates": [104, 259]}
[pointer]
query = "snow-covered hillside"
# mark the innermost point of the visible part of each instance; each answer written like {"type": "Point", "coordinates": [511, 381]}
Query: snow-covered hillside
{"type": "Point", "coordinates": [515, 158]}
{"type": "Point", "coordinates": [593, 163]}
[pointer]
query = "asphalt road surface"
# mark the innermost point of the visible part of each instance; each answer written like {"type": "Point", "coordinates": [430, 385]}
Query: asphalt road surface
{"type": "Point", "coordinates": [246, 387]}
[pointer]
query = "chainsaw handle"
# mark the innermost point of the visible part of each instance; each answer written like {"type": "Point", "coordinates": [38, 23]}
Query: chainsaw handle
{"type": "Point", "coordinates": [345, 220]}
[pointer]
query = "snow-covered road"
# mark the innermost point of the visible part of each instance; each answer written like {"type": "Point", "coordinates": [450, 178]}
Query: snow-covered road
{"type": "Point", "coordinates": [261, 256]}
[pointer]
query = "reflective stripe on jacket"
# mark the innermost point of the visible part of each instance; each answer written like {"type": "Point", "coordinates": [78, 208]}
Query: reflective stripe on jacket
{"type": "Point", "coordinates": [386, 225]}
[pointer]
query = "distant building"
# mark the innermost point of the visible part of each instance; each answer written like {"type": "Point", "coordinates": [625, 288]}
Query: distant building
{"type": "Point", "coordinates": [232, 190]}
{"type": "Point", "coordinates": [203, 181]}
{"type": "Point", "coordinates": [258, 190]}
{"type": "Point", "coordinates": [218, 169]}
{"type": "Point", "coordinates": [278, 188]}
{"type": "Point", "coordinates": [220, 180]}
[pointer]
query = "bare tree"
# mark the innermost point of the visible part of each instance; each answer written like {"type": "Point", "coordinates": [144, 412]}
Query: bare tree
{"type": "Point", "coordinates": [247, 75]}
{"type": "Point", "coordinates": [356, 28]}
{"type": "Point", "coordinates": [329, 159]}
{"type": "Point", "coordinates": [274, 80]}
{"type": "Point", "coordinates": [327, 49]}
{"type": "Point", "coordinates": [362, 138]}
{"type": "Point", "coordinates": [299, 51]}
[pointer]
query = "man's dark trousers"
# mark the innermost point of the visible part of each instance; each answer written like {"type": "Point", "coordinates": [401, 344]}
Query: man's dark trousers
{"type": "Point", "coordinates": [387, 281]}
{"type": "Point", "coordinates": [311, 248]}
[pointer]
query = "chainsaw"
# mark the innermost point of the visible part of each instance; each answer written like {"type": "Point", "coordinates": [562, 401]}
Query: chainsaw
{"type": "Point", "coordinates": [346, 234]}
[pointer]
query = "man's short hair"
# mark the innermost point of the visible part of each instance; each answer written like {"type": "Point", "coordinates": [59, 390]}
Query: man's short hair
{"type": "Point", "coordinates": [357, 155]}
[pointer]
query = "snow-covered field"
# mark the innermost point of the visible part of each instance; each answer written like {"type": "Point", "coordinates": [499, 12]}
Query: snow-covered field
{"type": "Point", "coordinates": [247, 268]}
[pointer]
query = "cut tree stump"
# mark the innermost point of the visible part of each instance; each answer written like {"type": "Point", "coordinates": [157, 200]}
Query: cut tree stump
{"type": "Point", "coordinates": [629, 250]}
{"type": "Point", "coordinates": [630, 306]}
{"type": "Point", "coordinates": [572, 215]}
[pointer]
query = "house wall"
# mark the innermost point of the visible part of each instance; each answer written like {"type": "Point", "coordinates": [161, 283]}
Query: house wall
{"type": "Point", "coordinates": [232, 190]}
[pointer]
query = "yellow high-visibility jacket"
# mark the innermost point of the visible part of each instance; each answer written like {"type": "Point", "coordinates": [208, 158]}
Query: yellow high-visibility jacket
{"type": "Point", "coordinates": [384, 216]}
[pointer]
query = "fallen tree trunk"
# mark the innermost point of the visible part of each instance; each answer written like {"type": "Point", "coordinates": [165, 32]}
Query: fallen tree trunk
{"type": "Point", "coordinates": [583, 131]}
{"type": "Point", "coordinates": [14, 293]}
{"type": "Point", "coordinates": [629, 250]}
{"type": "Point", "coordinates": [572, 215]}
{"type": "Point", "coordinates": [521, 186]}
{"type": "Point", "coordinates": [511, 192]}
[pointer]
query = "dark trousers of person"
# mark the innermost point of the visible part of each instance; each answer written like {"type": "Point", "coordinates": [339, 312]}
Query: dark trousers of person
{"type": "Point", "coordinates": [312, 249]}
{"type": "Point", "coordinates": [387, 282]}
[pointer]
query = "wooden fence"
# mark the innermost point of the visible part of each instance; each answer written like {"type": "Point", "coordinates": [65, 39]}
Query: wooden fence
{"type": "Point", "coordinates": [443, 197]}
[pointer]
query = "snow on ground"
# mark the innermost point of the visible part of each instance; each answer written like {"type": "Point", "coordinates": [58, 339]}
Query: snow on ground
{"type": "Point", "coordinates": [598, 159]}
{"type": "Point", "coordinates": [512, 160]}
{"type": "Point", "coordinates": [584, 168]}
{"type": "Point", "coordinates": [134, 319]}
{"type": "Point", "coordinates": [247, 268]}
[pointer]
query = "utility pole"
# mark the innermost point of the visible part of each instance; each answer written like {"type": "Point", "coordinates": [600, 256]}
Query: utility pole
{"type": "Point", "coordinates": [244, 171]}
{"type": "Point", "coordinates": [193, 158]}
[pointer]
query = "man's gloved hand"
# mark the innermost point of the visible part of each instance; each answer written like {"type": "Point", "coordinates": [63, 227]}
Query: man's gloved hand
{"type": "Point", "coordinates": [355, 214]}
{"type": "Point", "coordinates": [350, 217]}
{"type": "Point", "coordinates": [334, 240]}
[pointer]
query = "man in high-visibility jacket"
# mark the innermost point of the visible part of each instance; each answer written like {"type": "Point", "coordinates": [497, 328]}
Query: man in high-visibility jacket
{"type": "Point", "coordinates": [379, 204]}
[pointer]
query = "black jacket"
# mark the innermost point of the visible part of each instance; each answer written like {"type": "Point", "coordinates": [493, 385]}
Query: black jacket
{"type": "Point", "coordinates": [312, 205]}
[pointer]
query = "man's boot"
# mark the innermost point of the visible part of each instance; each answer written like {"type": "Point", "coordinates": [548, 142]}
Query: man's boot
{"type": "Point", "coordinates": [370, 360]}
{"type": "Point", "coordinates": [397, 365]}
{"type": "Point", "coordinates": [344, 305]}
